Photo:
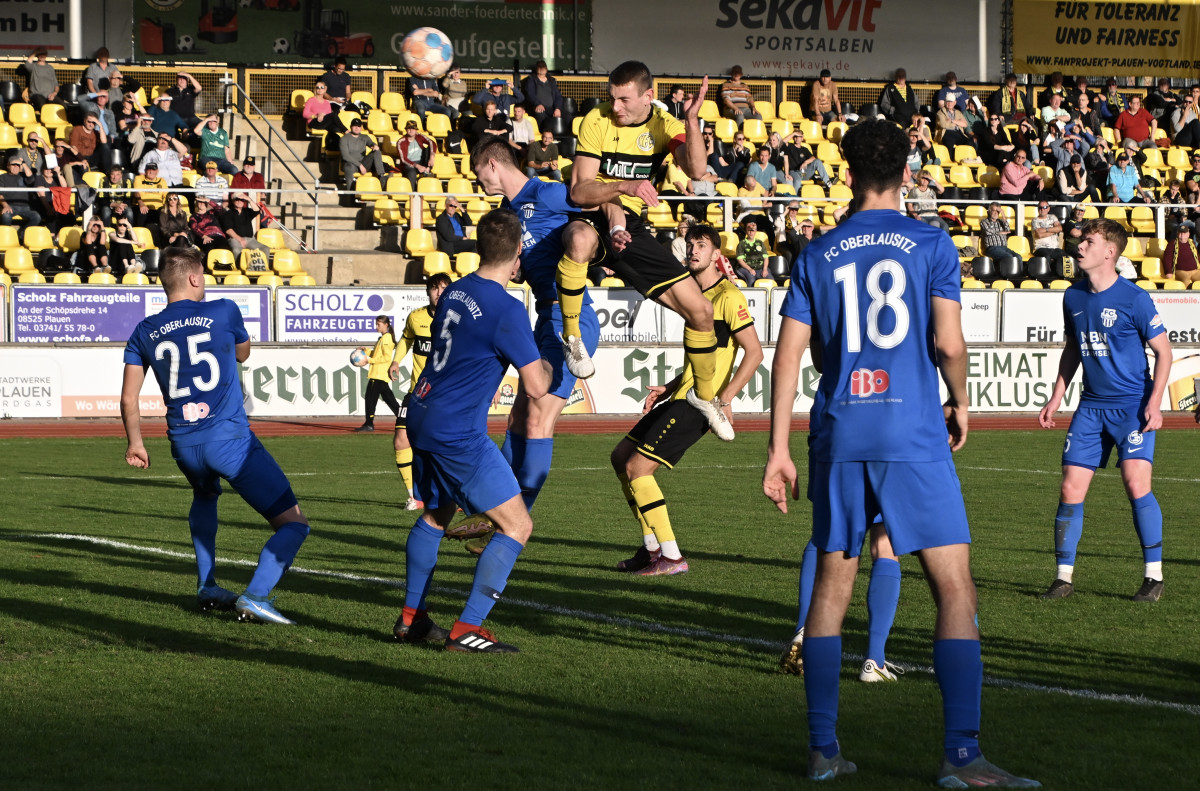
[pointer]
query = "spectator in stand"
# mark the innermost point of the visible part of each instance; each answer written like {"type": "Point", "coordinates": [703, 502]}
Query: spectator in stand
{"type": "Point", "coordinates": [802, 163]}
{"type": "Point", "coordinates": [90, 142]}
{"type": "Point", "coordinates": [543, 158]}
{"type": "Point", "coordinates": [167, 155]}
{"type": "Point", "coordinates": [953, 126]}
{"type": "Point", "coordinates": [417, 152]}
{"type": "Point", "coordinates": [1175, 199]}
{"type": "Point", "coordinates": [53, 199]}
{"type": "Point", "coordinates": [150, 191]}
{"type": "Point", "coordinates": [1028, 139]}
{"type": "Point", "coordinates": [1180, 260]}
{"type": "Point", "coordinates": [1162, 101]}
{"type": "Point", "coordinates": [128, 116]}
{"type": "Point", "coordinates": [426, 98]}
{"type": "Point", "coordinates": [736, 100]}
{"type": "Point", "coordinates": [1074, 184]}
{"type": "Point", "coordinates": [679, 243]}
{"type": "Point", "coordinates": [1054, 87]}
{"type": "Point", "coordinates": [141, 139]}
{"type": "Point", "coordinates": [92, 255]}
{"type": "Point", "coordinates": [916, 154]}
{"type": "Point", "coordinates": [823, 102]}
{"type": "Point", "coordinates": [43, 82]}
{"type": "Point", "coordinates": [922, 201]}
{"type": "Point", "coordinates": [1185, 126]}
{"type": "Point", "coordinates": [214, 144]}
{"type": "Point", "coordinates": [1086, 117]}
{"type": "Point", "coordinates": [116, 198]}
{"type": "Point", "coordinates": [995, 146]}
{"type": "Point", "coordinates": [1081, 89]}
{"type": "Point", "coordinates": [206, 228]}
{"type": "Point", "coordinates": [751, 203]}
{"type": "Point", "coordinates": [498, 91]}
{"type": "Point", "coordinates": [360, 155]}
{"type": "Point", "coordinates": [249, 181]}
{"type": "Point", "coordinates": [1009, 102]}
{"type": "Point", "coordinates": [898, 101]}
{"type": "Point", "coordinates": [14, 199]}
{"type": "Point", "coordinates": [951, 93]}
{"type": "Point", "coordinates": [212, 185]}
{"type": "Point", "coordinates": [119, 87]}
{"type": "Point", "coordinates": [763, 171]}
{"type": "Point", "coordinates": [921, 124]}
{"type": "Point", "coordinates": [319, 113]}
{"type": "Point", "coordinates": [523, 133]}
{"type": "Point", "coordinates": [337, 83]}
{"type": "Point", "coordinates": [1098, 162]}
{"type": "Point", "coordinates": [542, 97]}
{"type": "Point", "coordinates": [787, 231]}
{"type": "Point", "coordinates": [1054, 111]}
{"type": "Point", "coordinates": [674, 105]}
{"type": "Point", "coordinates": [996, 231]}
{"type": "Point", "coordinates": [750, 262]}
{"type": "Point", "coordinates": [1125, 183]}
{"type": "Point", "coordinates": [34, 153]}
{"type": "Point", "coordinates": [1047, 233]}
{"type": "Point", "coordinates": [1137, 125]}
{"type": "Point", "coordinates": [1073, 231]}
{"type": "Point", "coordinates": [1191, 179]}
{"type": "Point", "coordinates": [121, 244]}
{"type": "Point", "coordinates": [1018, 181]}
{"type": "Point", "coordinates": [452, 229]}
{"type": "Point", "coordinates": [166, 120]}
{"type": "Point", "coordinates": [492, 122]}
{"type": "Point", "coordinates": [732, 165]}
{"type": "Point", "coordinates": [183, 99]}
{"type": "Point", "coordinates": [1111, 103]}
{"type": "Point", "coordinates": [454, 90]}
{"type": "Point", "coordinates": [101, 69]}
{"type": "Point", "coordinates": [173, 223]}
{"type": "Point", "coordinates": [240, 224]}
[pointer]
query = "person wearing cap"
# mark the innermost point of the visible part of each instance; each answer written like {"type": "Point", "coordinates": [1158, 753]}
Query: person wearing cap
{"type": "Point", "coordinates": [1125, 182]}
{"type": "Point", "coordinates": [250, 181]}
{"type": "Point", "coordinates": [1074, 183]}
{"type": "Point", "coordinates": [1180, 260]}
{"type": "Point", "coordinates": [212, 185]}
{"type": "Point", "coordinates": [167, 154]}
{"type": "Point", "coordinates": [427, 98]}
{"type": "Point", "coordinates": [150, 192]}
{"type": "Point", "coordinates": [214, 144]}
{"type": "Point", "coordinates": [1136, 124]}
{"type": "Point", "coordinates": [417, 153]}
{"type": "Point", "coordinates": [43, 82]}
{"type": "Point", "coordinates": [183, 98]}
{"type": "Point", "coordinates": [206, 228]}
{"type": "Point", "coordinates": [953, 127]}
{"type": "Point", "coordinates": [498, 92]}
{"type": "Point", "coordinates": [360, 154]}
{"type": "Point", "coordinates": [240, 223]}
{"type": "Point", "coordinates": [166, 120]}
{"type": "Point", "coordinates": [737, 102]}
{"type": "Point", "coordinates": [543, 99]}
{"type": "Point", "coordinates": [1073, 230]}
{"type": "Point", "coordinates": [14, 200]}
{"type": "Point", "coordinates": [1008, 101]}
{"type": "Point", "coordinates": [823, 102]}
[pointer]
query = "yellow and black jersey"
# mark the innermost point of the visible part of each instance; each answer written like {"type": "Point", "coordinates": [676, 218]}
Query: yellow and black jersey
{"type": "Point", "coordinates": [629, 153]}
{"type": "Point", "coordinates": [418, 336]}
{"type": "Point", "coordinates": [731, 315]}
{"type": "Point", "coordinates": [381, 358]}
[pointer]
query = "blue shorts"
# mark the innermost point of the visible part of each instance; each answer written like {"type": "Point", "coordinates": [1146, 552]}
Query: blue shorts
{"type": "Point", "coordinates": [245, 463]}
{"type": "Point", "coordinates": [921, 504]}
{"type": "Point", "coordinates": [1093, 433]}
{"type": "Point", "coordinates": [471, 474]}
{"type": "Point", "coordinates": [546, 332]}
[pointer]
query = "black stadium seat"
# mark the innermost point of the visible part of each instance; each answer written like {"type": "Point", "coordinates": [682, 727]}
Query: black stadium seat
{"type": "Point", "coordinates": [1010, 267]}
{"type": "Point", "coordinates": [983, 268]}
{"type": "Point", "coordinates": [778, 268]}
{"type": "Point", "coordinates": [867, 111]}
{"type": "Point", "coordinates": [1038, 268]}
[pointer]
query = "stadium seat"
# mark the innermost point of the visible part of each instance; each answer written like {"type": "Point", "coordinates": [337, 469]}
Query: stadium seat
{"type": "Point", "coordinates": [1059, 284]}
{"type": "Point", "coordinates": [209, 280]}
{"type": "Point", "coordinates": [367, 189]}
{"type": "Point", "coordinates": [973, 214]}
{"type": "Point", "coordinates": [970, 282]}
{"type": "Point", "coordinates": [726, 189]}
{"type": "Point", "coordinates": [791, 111]}
{"type": "Point", "coordinates": [1019, 245]}
{"type": "Point", "coordinates": [461, 187]}
{"type": "Point", "coordinates": [302, 280]}
{"type": "Point", "coordinates": [392, 103]}
{"type": "Point", "coordinates": [8, 138]}
{"type": "Point", "coordinates": [1173, 285]}
{"type": "Point", "coordinates": [1151, 269]}
{"type": "Point", "coordinates": [1142, 220]}
{"type": "Point", "coordinates": [438, 126]}
{"type": "Point", "coordinates": [67, 277]}
{"type": "Point", "coordinates": [286, 263]}
{"type": "Point", "coordinates": [22, 116]}
{"type": "Point", "coordinates": [782, 127]}
{"type": "Point", "coordinates": [1038, 267]}
{"type": "Point", "coordinates": [1133, 249]}
{"type": "Point", "coordinates": [1177, 157]}
{"type": "Point", "coordinates": [269, 279]}
{"type": "Point", "coordinates": [38, 238]}
{"type": "Point", "coordinates": [830, 154]}
{"type": "Point", "coordinates": [143, 238]}
{"type": "Point", "coordinates": [429, 184]}
{"type": "Point", "coordinates": [1001, 285]}
{"type": "Point", "coordinates": [221, 260]}
{"type": "Point", "coordinates": [298, 99]}
{"type": "Point", "coordinates": [1147, 285]}
{"type": "Point", "coordinates": [1031, 284]}
{"type": "Point", "coordinates": [32, 276]}
{"type": "Point", "coordinates": [763, 282]}
{"type": "Point", "coordinates": [54, 118]}
{"type": "Point", "coordinates": [989, 177]}
{"type": "Point", "coordinates": [766, 110]}
{"type": "Point", "coordinates": [436, 262]}
{"type": "Point", "coordinates": [835, 130]}
{"type": "Point", "coordinates": [68, 238]}
{"type": "Point", "coordinates": [5, 280]}
{"type": "Point", "coordinates": [236, 279]}
{"type": "Point", "coordinates": [983, 268]}
{"type": "Point", "coordinates": [708, 111]}
{"type": "Point", "coordinates": [1010, 267]}
{"type": "Point", "coordinates": [18, 260]}
{"type": "Point", "coordinates": [1154, 159]}
{"type": "Point", "coordinates": [729, 243]}
{"type": "Point", "coordinates": [725, 129]}
{"type": "Point", "coordinates": [612, 282]}
{"type": "Point", "coordinates": [379, 124]}
{"type": "Point", "coordinates": [135, 279]}
{"type": "Point", "coordinates": [466, 262]}
{"type": "Point", "coordinates": [754, 130]}
{"type": "Point", "coordinates": [271, 237]}
{"type": "Point", "coordinates": [961, 176]}
{"type": "Point", "coordinates": [1119, 215]}
{"type": "Point", "coordinates": [102, 278]}
{"type": "Point", "coordinates": [419, 241]}
{"type": "Point", "coordinates": [387, 212]}
{"type": "Point", "coordinates": [660, 216]}
{"type": "Point", "coordinates": [964, 153]}
{"type": "Point", "coordinates": [812, 132]}
{"type": "Point", "coordinates": [1155, 248]}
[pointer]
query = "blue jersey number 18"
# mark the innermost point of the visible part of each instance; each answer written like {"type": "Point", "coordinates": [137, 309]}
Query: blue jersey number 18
{"type": "Point", "coordinates": [892, 298]}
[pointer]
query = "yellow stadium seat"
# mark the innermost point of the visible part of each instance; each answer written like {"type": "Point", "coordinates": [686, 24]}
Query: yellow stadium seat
{"type": "Point", "coordinates": [144, 240]}
{"type": "Point", "coordinates": [298, 99]}
{"type": "Point", "coordinates": [398, 185]}
{"type": "Point", "coordinates": [380, 124]}
{"type": "Point", "coordinates": [961, 176]}
{"type": "Point", "coordinates": [1117, 214]}
{"type": "Point", "coordinates": [754, 130]}
{"type": "Point", "coordinates": [22, 115]}
{"type": "Point", "coordinates": [812, 131]}
{"type": "Point", "coordinates": [236, 279]}
{"type": "Point", "coordinates": [1001, 285]}
{"type": "Point", "coordinates": [764, 282]}
{"type": "Point", "coordinates": [964, 153]}
{"type": "Point", "coordinates": [1177, 157]}
{"type": "Point", "coordinates": [392, 103]}
{"type": "Point", "coordinates": [1133, 249]}
{"type": "Point", "coordinates": [1151, 269]}
{"type": "Point", "coordinates": [989, 177]}
{"type": "Point", "coordinates": [1147, 285]}
{"type": "Point", "coordinates": [69, 237]}
{"type": "Point", "coordinates": [31, 276]}
{"type": "Point", "coordinates": [766, 110]}
{"type": "Point", "coordinates": [269, 279]}
{"type": "Point", "coordinates": [8, 137]}
{"type": "Point", "coordinates": [791, 111]}
{"type": "Point", "coordinates": [466, 262]}
{"type": "Point", "coordinates": [1173, 285]}
{"type": "Point", "coordinates": [271, 237]}
{"type": "Point", "coordinates": [286, 263]}
{"type": "Point", "coordinates": [612, 282]}
{"type": "Point", "coordinates": [973, 214]}
{"type": "Point", "coordinates": [970, 282]}
{"type": "Point", "coordinates": [1142, 220]}
{"type": "Point", "coordinates": [438, 125]}
{"type": "Point", "coordinates": [67, 277]}
{"type": "Point", "coordinates": [302, 280]}
{"type": "Point", "coordinates": [1059, 285]}
{"type": "Point", "coordinates": [135, 279]}
{"type": "Point", "coordinates": [5, 280]}
{"type": "Point", "coordinates": [782, 127]}
{"type": "Point", "coordinates": [420, 241]}
{"type": "Point", "coordinates": [443, 168]}
{"type": "Point", "coordinates": [428, 184]}
{"type": "Point", "coordinates": [367, 189]}
{"type": "Point", "coordinates": [1156, 248]}
{"type": "Point", "coordinates": [726, 189]}
{"type": "Point", "coordinates": [660, 216]}
{"type": "Point", "coordinates": [38, 238]}
{"type": "Point", "coordinates": [387, 212]}
{"type": "Point", "coordinates": [1019, 245]}
{"type": "Point", "coordinates": [102, 278]}
{"type": "Point", "coordinates": [835, 130]}
{"type": "Point", "coordinates": [725, 129]}
{"type": "Point", "coordinates": [54, 117]}
{"type": "Point", "coordinates": [209, 280]}
{"type": "Point", "coordinates": [436, 262]}
{"type": "Point", "coordinates": [1031, 284]}
{"type": "Point", "coordinates": [708, 110]}
{"type": "Point", "coordinates": [18, 260]}
{"type": "Point", "coordinates": [460, 186]}
{"type": "Point", "coordinates": [221, 260]}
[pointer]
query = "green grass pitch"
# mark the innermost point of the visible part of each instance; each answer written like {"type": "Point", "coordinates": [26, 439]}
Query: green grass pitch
{"type": "Point", "coordinates": [110, 677]}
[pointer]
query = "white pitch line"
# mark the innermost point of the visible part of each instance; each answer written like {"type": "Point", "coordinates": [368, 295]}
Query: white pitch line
{"type": "Point", "coordinates": [647, 626]}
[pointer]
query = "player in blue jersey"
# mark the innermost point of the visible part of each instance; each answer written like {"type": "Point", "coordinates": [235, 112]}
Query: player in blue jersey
{"type": "Point", "coordinates": [1109, 323]}
{"type": "Point", "coordinates": [194, 348]}
{"type": "Point", "coordinates": [478, 331]}
{"type": "Point", "coordinates": [879, 297]}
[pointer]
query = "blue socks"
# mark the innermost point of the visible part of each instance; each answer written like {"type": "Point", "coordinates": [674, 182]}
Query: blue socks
{"type": "Point", "coordinates": [491, 575]}
{"type": "Point", "coordinates": [808, 577]}
{"type": "Point", "coordinates": [530, 462]}
{"type": "Point", "coordinates": [1148, 522]}
{"type": "Point", "coordinates": [959, 670]}
{"type": "Point", "coordinates": [420, 559]}
{"type": "Point", "coordinates": [276, 557]}
{"type": "Point", "coordinates": [1068, 527]}
{"type": "Point", "coordinates": [202, 521]}
{"type": "Point", "coordinates": [883, 594]}
{"type": "Point", "coordinates": [822, 666]}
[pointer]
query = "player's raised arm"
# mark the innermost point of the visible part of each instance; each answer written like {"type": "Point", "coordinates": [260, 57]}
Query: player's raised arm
{"type": "Point", "coordinates": [131, 415]}
{"type": "Point", "coordinates": [952, 361]}
{"type": "Point", "coordinates": [1067, 365]}
{"type": "Point", "coordinates": [693, 158]}
{"type": "Point", "coordinates": [1161, 346]}
{"type": "Point", "coordinates": [780, 473]}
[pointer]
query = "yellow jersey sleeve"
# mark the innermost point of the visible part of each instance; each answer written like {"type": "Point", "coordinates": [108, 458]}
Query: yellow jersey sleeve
{"type": "Point", "coordinates": [731, 307]}
{"type": "Point", "coordinates": [629, 153]}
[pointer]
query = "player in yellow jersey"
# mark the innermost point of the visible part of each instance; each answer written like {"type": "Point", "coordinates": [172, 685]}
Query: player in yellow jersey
{"type": "Point", "coordinates": [418, 337]}
{"type": "Point", "coordinates": [378, 384]}
{"type": "Point", "coordinates": [622, 145]}
{"type": "Point", "coordinates": [668, 429]}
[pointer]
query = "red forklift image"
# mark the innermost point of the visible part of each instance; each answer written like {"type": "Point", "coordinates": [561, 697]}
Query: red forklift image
{"type": "Point", "coordinates": [218, 21]}
{"type": "Point", "coordinates": [327, 34]}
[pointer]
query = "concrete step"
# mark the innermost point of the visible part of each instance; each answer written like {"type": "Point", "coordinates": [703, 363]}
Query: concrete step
{"type": "Point", "coordinates": [373, 268]}
{"type": "Point", "coordinates": [333, 238]}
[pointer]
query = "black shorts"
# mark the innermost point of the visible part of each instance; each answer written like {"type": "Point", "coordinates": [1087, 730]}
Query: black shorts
{"type": "Point", "coordinates": [666, 432]}
{"type": "Point", "coordinates": [402, 415]}
{"type": "Point", "coordinates": [644, 264]}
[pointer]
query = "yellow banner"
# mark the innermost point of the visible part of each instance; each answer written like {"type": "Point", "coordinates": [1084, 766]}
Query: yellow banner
{"type": "Point", "coordinates": [1107, 39]}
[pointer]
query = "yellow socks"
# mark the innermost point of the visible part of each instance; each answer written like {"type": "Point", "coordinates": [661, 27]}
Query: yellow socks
{"type": "Point", "coordinates": [571, 279]}
{"type": "Point", "coordinates": [404, 465]}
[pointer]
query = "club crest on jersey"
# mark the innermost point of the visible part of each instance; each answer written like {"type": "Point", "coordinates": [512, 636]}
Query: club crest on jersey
{"type": "Point", "coordinates": [1108, 316]}
{"type": "Point", "coordinates": [645, 142]}
{"type": "Point", "coordinates": [527, 210]}
{"type": "Point", "coordinates": [1135, 438]}
{"type": "Point", "coordinates": [865, 382]}
{"type": "Point", "coordinates": [1156, 321]}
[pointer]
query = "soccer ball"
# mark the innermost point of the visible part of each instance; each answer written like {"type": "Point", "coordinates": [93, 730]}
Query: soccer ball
{"type": "Point", "coordinates": [427, 52]}
{"type": "Point", "coordinates": [185, 44]}
{"type": "Point", "coordinates": [358, 358]}
{"type": "Point", "coordinates": [281, 46]}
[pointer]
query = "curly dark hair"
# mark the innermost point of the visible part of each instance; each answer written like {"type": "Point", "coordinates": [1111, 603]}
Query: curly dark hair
{"type": "Point", "coordinates": [876, 152]}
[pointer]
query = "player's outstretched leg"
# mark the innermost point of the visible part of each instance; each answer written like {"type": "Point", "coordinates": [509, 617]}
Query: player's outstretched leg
{"type": "Point", "coordinates": [651, 550]}
{"type": "Point", "coordinates": [579, 247]}
{"type": "Point", "coordinates": [420, 559]}
{"type": "Point", "coordinates": [291, 528]}
{"type": "Point", "coordinates": [700, 348]}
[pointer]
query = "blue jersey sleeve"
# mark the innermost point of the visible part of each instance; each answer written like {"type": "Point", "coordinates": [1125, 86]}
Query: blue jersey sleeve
{"type": "Point", "coordinates": [946, 277]}
{"type": "Point", "coordinates": [1145, 315]}
{"type": "Point", "coordinates": [133, 349]}
{"type": "Point", "coordinates": [514, 337]}
{"type": "Point", "coordinates": [798, 302]}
